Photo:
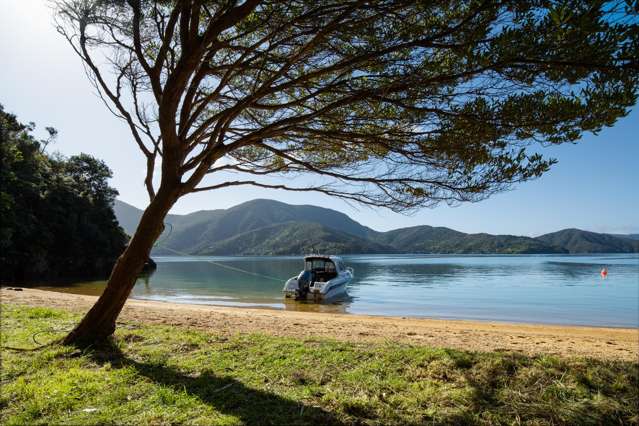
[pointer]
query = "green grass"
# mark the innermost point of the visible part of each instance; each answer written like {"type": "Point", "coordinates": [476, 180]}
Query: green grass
{"type": "Point", "coordinates": [171, 375]}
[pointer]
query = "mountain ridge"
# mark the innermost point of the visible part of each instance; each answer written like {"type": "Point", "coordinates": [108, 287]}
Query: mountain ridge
{"type": "Point", "coordinates": [269, 227]}
{"type": "Point", "coordinates": [580, 241]}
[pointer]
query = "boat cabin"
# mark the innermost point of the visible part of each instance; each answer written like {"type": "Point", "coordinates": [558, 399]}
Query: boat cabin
{"type": "Point", "coordinates": [323, 268]}
{"type": "Point", "coordinates": [323, 277]}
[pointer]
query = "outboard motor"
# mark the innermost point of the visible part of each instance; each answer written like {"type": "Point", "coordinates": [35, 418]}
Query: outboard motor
{"type": "Point", "coordinates": [304, 284]}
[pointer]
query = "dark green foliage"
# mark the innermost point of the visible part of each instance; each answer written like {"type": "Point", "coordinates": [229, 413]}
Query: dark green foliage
{"type": "Point", "coordinates": [578, 241]}
{"type": "Point", "coordinates": [57, 217]}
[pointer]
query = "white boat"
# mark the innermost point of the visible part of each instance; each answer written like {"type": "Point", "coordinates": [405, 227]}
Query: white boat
{"type": "Point", "coordinates": [323, 277]}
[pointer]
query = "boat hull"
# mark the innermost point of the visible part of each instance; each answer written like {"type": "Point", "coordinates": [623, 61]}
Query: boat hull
{"type": "Point", "coordinates": [319, 292]}
{"type": "Point", "coordinates": [323, 278]}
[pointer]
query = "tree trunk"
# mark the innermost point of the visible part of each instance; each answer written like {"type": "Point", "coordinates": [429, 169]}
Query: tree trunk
{"type": "Point", "coordinates": [99, 322]}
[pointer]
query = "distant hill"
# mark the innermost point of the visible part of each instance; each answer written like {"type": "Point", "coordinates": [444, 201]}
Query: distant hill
{"type": "Point", "coordinates": [220, 225]}
{"type": "Point", "coordinates": [268, 227]}
{"type": "Point", "coordinates": [243, 229]}
{"type": "Point", "coordinates": [630, 236]}
{"type": "Point", "coordinates": [578, 241]}
{"type": "Point", "coordinates": [428, 239]}
{"type": "Point", "coordinates": [293, 238]}
{"type": "Point", "coordinates": [127, 215]}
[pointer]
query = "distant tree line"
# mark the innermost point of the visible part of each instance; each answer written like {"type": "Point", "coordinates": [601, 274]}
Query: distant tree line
{"type": "Point", "coordinates": [57, 219]}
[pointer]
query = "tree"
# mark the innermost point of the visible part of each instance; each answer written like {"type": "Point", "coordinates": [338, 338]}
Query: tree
{"type": "Point", "coordinates": [395, 103]}
{"type": "Point", "coordinates": [57, 213]}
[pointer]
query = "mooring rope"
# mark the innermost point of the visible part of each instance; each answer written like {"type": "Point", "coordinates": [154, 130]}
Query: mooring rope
{"type": "Point", "coordinates": [160, 244]}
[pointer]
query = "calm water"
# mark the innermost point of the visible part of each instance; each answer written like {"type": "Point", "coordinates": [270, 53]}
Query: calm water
{"type": "Point", "coordinates": [542, 289]}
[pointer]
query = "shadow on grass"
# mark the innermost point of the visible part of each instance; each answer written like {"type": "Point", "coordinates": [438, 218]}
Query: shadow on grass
{"type": "Point", "coordinates": [226, 395]}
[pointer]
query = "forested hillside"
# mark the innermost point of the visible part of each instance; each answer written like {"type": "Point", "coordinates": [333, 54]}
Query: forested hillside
{"type": "Point", "coordinates": [428, 239]}
{"type": "Point", "coordinates": [57, 216]}
{"type": "Point", "coordinates": [578, 241]}
{"type": "Point", "coordinates": [293, 238]}
{"type": "Point", "coordinates": [268, 227]}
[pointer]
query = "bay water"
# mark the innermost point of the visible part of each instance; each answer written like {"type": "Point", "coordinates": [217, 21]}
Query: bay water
{"type": "Point", "coordinates": [564, 289]}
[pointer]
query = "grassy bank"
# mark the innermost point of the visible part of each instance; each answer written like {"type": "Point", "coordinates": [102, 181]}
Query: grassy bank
{"type": "Point", "coordinates": [167, 375]}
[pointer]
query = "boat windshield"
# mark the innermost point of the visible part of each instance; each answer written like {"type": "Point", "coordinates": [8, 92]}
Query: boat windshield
{"type": "Point", "coordinates": [319, 265]}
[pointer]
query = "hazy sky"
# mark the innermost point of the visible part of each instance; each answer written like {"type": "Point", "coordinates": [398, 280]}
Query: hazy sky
{"type": "Point", "coordinates": [594, 186]}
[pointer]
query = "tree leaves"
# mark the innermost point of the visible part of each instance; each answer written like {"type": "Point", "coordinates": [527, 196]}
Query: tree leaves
{"type": "Point", "coordinates": [57, 216]}
{"type": "Point", "coordinates": [398, 103]}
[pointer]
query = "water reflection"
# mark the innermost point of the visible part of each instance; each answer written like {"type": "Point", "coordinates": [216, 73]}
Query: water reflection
{"type": "Point", "coordinates": [555, 289]}
{"type": "Point", "coordinates": [335, 306]}
{"type": "Point", "coordinates": [91, 288]}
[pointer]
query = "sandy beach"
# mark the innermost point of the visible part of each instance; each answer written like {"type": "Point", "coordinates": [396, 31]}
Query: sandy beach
{"type": "Point", "coordinates": [595, 342]}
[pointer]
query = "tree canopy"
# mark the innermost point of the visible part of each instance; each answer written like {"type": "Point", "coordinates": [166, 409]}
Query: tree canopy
{"type": "Point", "coordinates": [392, 103]}
{"type": "Point", "coordinates": [57, 215]}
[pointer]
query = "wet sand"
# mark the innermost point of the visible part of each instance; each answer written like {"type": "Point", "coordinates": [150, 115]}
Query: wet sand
{"type": "Point", "coordinates": [531, 339]}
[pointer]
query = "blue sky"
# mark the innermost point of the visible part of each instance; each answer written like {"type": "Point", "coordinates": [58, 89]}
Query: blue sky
{"type": "Point", "coordinates": [594, 186]}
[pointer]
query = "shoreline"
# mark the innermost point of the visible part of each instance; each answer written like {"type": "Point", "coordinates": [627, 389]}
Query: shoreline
{"type": "Point", "coordinates": [612, 343]}
{"type": "Point", "coordinates": [313, 308]}
{"type": "Point", "coordinates": [329, 311]}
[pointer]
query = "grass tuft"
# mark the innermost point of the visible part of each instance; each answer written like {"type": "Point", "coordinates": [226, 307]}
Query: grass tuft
{"type": "Point", "coordinates": [152, 374]}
